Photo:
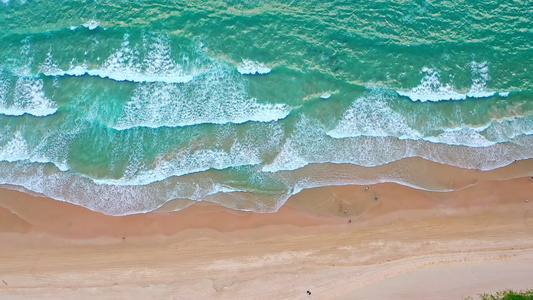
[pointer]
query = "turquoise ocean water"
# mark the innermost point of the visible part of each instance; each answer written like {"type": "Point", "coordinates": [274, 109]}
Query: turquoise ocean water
{"type": "Point", "coordinates": [121, 106]}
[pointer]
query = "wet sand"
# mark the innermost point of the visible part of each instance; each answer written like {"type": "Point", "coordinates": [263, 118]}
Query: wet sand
{"type": "Point", "coordinates": [336, 242]}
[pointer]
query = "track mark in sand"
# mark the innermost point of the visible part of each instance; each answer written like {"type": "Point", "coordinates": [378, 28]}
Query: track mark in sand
{"type": "Point", "coordinates": [386, 270]}
{"type": "Point", "coordinates": [272, 259]}
{"type": "Point", "coordinates": [33, 273]}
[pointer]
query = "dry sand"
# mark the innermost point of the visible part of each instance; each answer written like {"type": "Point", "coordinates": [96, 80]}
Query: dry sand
{"type": "Point", "coordinates": [407, 244]}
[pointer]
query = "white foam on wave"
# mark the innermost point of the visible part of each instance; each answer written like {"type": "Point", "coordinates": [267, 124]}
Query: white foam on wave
{"type": "Point", "coordinates": [309, 144]}
{"type": "Point", "coordinates": [480, 77]}
{"type": "Point", "coordinates": [225, 148]}
{"type": "Point", "coordinates": [505, 130]}
{"type": "Point", "coordinates": [366, 151]}
{"type": "Point", "coordinates": [25, 62]}
{"type": "Point", "coordinates": [4, 89]}
{"type": "Point", "coordinates": [132, 76]}
{"type": "Point", "coordinates": [14, 149]}
{"type": "Point", "coordinates": [217, 97]}
{"type": "Point", "coordinates": [503, 94]}
{"type": "Point", "coordinates": [28, 98]}
{"type": "Point", "coordinates": [252, 67]}
{"type": "Point", "coordinates": [325, 96]}
{"type": "Point", "coordinates": [153, 64]}
{"type": "Point", "coordinates": [21, 93]}
{"type": "Point", "coordinates": [91, 24]}
{"type": "Point", "coordinates": [432, 89]}
{"type": "Point", "coordinates": [184, 163]}
{"type": "Point", "coordinates": [115, 197]}
{"type": "Point", "coordinates": [49, 66]}
{"type": "Point", "coordinates": [464, 136]}
{"type": "Point", "coordinates": [52, 146]}
{"type": "Point", "coordinates": [105, 198]}
{"type": "Point", "coordinates": [485, 135]}
{"type": "Point", "coordinates": [371, 116]}
{"type": "Point", "coordinates": [295, 153]}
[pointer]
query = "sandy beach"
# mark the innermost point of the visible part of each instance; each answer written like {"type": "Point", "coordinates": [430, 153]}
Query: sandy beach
{"type": "Point", "coordinates": [335, 242]}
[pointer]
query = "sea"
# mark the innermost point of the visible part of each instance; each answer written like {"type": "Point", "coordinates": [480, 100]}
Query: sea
{"type": "Point", "coordinates": [123, 106]}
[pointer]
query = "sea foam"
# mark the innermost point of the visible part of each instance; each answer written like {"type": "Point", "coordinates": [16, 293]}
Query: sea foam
{"type": "Point", "coordinates": [371, 116]}
{"type": "Point", "coordinates": [14, 149]}
{"type": "Point", "coordinates": [480, 77]}
{"type": "Point", "coordinates": [152, 62]}
{"type": "Point", "coordinates": [375, 151]}
{"type": "Point", "coordinates": [28, 98]}
{"type": "Point", "coordinates": [129, 199]}
{"type": "Point", "coordinates": [432, 89]}
{"type": "Point", "coordinates": [217, 97]}
{"type": "Point", "coordinates": [21, 92]}
{"type": "Point", "coordinates": [18, 143]}
{"type": "Point", "coordinates": [252, 67]}
{"type": "Point", "coordinates": [127, 75]}
{"type": "Point", "coordinates": [186, 163]}
{"type": "Point", "coordinates": [464, 136]}
{"type": "Point", "coordinates": [193, 152]}
{"type": "Point", "coordinates": [325, 96]}
{"type": "Point", "coordinates": [91, 24]}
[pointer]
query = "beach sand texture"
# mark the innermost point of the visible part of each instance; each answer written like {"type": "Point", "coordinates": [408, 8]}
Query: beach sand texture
{"type": "Point", "coordinates": [408, 244]}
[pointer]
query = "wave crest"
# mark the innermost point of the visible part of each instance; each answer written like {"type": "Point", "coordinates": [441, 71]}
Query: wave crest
{"type": "Point", "coordinates": [150, 62]}
{"type": "Point", "coordinates": [217, 97]}
{"type": "Point", "coordinates": [25, 97]}
{"type": "Point", "coordinates": [252, 67]}
{"type": "Point", "coordinates": [432, 89]}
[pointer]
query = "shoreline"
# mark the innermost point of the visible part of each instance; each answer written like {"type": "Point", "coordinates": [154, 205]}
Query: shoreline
{"type": "Point", "coordinates": [414, 172]}
{"type": "Point", "coordinates": [408, 243]}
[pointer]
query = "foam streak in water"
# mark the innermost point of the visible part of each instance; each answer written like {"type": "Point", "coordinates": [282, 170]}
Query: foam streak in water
{"type": "Point", "coordinates": [252, 67]}
{"type": "Point", "coordinates": [152, 62]}
{"type": "Point", "coordinates": [370, 116]}
{"type": "Point", "coordinates": [91, 24]}
{"type": "Point", "coordinates": [14, 149]}
{"type": "Point", "coordinates": [28, 98]}
{"type": "Point", "coordinates": [310, 144]}
{"type": "Point", "coordinates": [480, 77]}
{"type": "Point", "coordinates": [432, 89]}
{"type": "Point", "coordinates": [217, 97]}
